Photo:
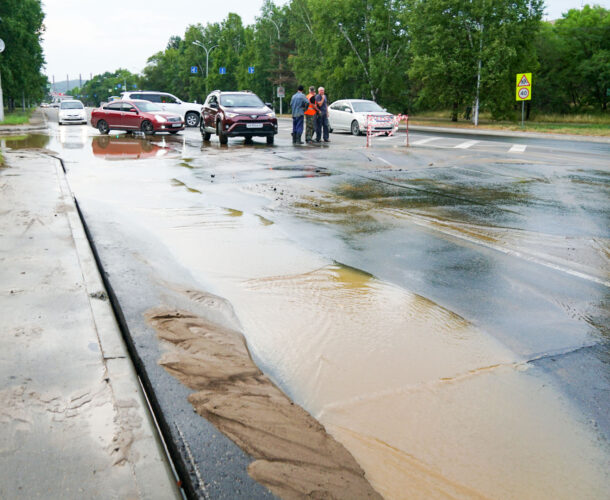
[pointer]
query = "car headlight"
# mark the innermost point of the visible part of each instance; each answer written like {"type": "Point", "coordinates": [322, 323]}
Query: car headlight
{"type": "Point", "coordinates": [228, 114]}
{"type": "Point", "coordinates": [270, 115]}
{"type": "Point", "coordinates": [160, 119]}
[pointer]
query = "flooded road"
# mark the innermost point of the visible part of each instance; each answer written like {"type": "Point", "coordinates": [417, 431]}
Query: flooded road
{"type": "Point", "coordinates": [442, 311]}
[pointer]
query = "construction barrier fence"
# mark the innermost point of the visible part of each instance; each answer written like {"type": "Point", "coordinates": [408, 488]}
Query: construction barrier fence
{"type": "Point", "coordinates": [377, 125]}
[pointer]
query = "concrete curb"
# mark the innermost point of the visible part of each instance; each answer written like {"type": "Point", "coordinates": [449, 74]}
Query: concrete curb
{"type": "Point", "coordinates": [152, 471]}
{"type": "Point", "coordinates": [509, 133]}
{"type": "Point", "coordinates": [482, 132]}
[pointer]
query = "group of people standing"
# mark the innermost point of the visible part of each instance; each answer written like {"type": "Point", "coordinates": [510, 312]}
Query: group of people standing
{"type": "Point", "coordinates": [313, 110]}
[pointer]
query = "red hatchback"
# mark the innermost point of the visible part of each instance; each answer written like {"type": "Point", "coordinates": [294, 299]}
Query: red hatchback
{"type": "Point", "coordinates": [133, 115]}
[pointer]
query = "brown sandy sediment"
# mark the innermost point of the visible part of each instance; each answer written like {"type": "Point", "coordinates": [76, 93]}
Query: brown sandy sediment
{"type": "Point", "coordinates": [295, 456]}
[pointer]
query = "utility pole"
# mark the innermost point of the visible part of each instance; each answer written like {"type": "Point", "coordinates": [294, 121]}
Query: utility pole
{"type": "Point", "coordinates": [207, 54]}
{"type": "Point", "coordinates": [1, 100]}
{"type": "Point", "coordinates": [279, 57]}
{"type": "Point", "coordinates": [475, 116]}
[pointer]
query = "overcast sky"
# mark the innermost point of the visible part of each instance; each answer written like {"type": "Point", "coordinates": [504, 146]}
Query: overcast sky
{"type": "Point", "coordinates": [89, 37]}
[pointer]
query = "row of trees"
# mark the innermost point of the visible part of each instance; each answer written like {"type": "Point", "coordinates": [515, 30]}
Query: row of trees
{"type": "Point", "coordinates": [21, 29]}
{"type": "Point", "coordinates": [406, 54]}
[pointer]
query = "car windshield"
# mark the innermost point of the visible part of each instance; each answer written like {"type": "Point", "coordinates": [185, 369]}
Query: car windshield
{"type": "Point", "coordinates": [148, 107]}
{"type": "Point", "coordinates": [71, 105]}
{"type": "Point", "coordinates": [366, 106]}
{"type": "Point", "coordinates": [241, 101]}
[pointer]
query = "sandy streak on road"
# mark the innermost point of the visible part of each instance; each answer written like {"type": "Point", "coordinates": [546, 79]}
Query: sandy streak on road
{"type": "Point", "coordinates": [295, 457]}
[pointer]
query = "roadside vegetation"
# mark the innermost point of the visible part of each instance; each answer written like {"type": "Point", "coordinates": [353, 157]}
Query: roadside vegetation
{"type": "Point", "coordinates": [22, 61]}
{"type": "Point", "coordinates": [17, 117]}
{"type": "Point", "coordinates": [416, 57]}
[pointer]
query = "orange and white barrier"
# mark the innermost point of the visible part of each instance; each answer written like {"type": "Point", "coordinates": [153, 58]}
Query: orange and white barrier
{"type": "Point", "coordinates": [376, 121]}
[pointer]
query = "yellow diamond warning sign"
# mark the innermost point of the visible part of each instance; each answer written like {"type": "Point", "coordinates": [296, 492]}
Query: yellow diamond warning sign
{"type": "Point", "coordinates": [524, 86]}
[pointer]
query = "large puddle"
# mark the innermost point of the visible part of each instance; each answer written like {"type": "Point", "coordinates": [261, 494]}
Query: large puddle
{"type": "Point", "coordinates": [430, 404]}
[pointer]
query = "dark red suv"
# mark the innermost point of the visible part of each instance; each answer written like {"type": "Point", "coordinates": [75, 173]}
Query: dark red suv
{"type": "Point", "coordinates": [237, 114]}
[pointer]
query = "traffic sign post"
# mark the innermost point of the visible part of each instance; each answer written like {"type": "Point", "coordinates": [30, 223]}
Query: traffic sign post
{"type": "Point", "coordinates": [194, 70]}
{"type": "Point", "coordinates": [281, 92]}
{"type": "Point", "coordinates": [250, 69]}
{"type": "Point", "coordinates": [222, 70]}
{"type": "Point", "coordinates": [523, 91]}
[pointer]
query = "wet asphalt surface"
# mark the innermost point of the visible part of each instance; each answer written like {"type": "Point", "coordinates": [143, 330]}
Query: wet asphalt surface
{"type": "Point", "coordinates": [511, 234]}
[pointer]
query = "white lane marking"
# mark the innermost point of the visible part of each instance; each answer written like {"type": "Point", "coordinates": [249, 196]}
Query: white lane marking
{"type": "Point", "coordinates": [424, 141]}
{"type": "Point", "coordinates": [466, 144]}
{"type": "Point", "coordinates": [517, 148]}
{"type": "Point", "coordinates": [530, 257]}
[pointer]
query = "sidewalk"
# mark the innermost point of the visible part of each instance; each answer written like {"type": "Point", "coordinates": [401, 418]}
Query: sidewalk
{"type": "Point", "coordinates": [74, 420]}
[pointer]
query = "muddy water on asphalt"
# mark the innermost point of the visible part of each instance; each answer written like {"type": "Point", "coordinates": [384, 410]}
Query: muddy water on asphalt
{"type": "Point", "coordinates": [430, 405]}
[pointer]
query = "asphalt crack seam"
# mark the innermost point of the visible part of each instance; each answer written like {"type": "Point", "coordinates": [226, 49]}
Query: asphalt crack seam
{"type": "Point", "coordinates": [193, 462]}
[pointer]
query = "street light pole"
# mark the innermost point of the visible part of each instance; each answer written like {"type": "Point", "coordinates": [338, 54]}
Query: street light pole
{"type": "Point", "coordinates": [279, 57]}
{"type": "Point", "coordinates": [207, 54]}
{"type": "Point", "coordinates": [1, 100]}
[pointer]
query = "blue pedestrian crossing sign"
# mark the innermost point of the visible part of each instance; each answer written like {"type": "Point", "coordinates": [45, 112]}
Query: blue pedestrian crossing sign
{"type": "Point", "coordinates": [222, 70]}
{"type": "Point", "coordinates": [250, 69]}
{"type": "Point", "coordinates": [193, 69]}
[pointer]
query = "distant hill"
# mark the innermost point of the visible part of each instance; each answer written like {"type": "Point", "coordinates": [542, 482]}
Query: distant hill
{"type": "Point", "coordinates": [65, 85]}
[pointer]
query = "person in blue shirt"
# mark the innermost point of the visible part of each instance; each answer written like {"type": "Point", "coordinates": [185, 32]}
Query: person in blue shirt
{"type": "Point", "coordinates": [298, 104]}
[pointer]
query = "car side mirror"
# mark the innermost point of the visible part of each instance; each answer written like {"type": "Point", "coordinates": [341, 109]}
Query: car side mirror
{"type": "Point", "coordinates": [178, 101]}
{"type": "Point", "coordinates": [214, 105]}
{"type": "Point", "coordinates": [133, 110]}
{"type": "Point", "coordinates": [385, 109]}
{"type": "Point", "coordinates": [349, 110]}
{"type": "Point", "coordinates": [269, 105]}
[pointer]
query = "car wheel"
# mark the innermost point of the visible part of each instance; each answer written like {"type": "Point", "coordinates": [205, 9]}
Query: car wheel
{"type": "Point", "coordinates": [147, 127]}
{"type": "Point", "coordinates": [270, 139]}
{"type": "Point", "coordinates": [191, 119]}
{"type": "Point", "coordinates": [102, 126]}
{"type": "Point", "coordinates": [222, 138]}
{"type": "Point", "coordinates": [355, 128]}
{"type": "Point", "coordinates": [204, 135]}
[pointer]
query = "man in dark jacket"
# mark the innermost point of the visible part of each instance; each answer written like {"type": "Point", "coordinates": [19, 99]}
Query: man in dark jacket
{"type": "Point", "coordinates": [322, 117]}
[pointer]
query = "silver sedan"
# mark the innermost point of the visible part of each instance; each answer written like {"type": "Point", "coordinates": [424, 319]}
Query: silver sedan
{"type": "Point", "coordinates": [350, 115]}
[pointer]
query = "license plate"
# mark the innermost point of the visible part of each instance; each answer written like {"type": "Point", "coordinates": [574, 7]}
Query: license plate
{"type": "Point", "coordinates": [254, 125]}
{"type": "Point", "coordinates": [175, 125]}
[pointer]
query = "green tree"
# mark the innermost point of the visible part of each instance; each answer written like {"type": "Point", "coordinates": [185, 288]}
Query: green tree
{"type": "Point", "coordinates": [354, 48]}
{"type": "Point", "coordinates": [456, 42]}
{"type": "Point", "coordinates": [21, 28]}
{"type": "Point", "coordinates": [101, 87]}
{"type": "Point", "coordinates": [585, 49]}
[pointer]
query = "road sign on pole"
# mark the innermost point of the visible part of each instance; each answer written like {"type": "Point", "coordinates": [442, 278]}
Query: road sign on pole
{"type": "Point", "coordinates": [524, 91]}
{"type": "Point", "coordinates": [250, 69]}
{"type": "Point", "coordinates": [222, 70]}
{"type": "Point", "coordinates": [194, 69]}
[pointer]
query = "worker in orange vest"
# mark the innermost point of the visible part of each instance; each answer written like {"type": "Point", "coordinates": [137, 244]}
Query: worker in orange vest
{"type": "Point", "coordinates": [310, 114]}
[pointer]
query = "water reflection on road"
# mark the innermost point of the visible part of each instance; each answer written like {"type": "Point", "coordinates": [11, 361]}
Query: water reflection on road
{"type": "Point", "coordinates": [406, 308]}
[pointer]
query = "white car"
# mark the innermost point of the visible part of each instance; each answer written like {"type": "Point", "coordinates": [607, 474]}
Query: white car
{"type": "Point", "coordinates": [350, 115]}
{"type": "Point", "coordinates": [190, 111]}
{"type": "Point", "coordinates": [71, 112]}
